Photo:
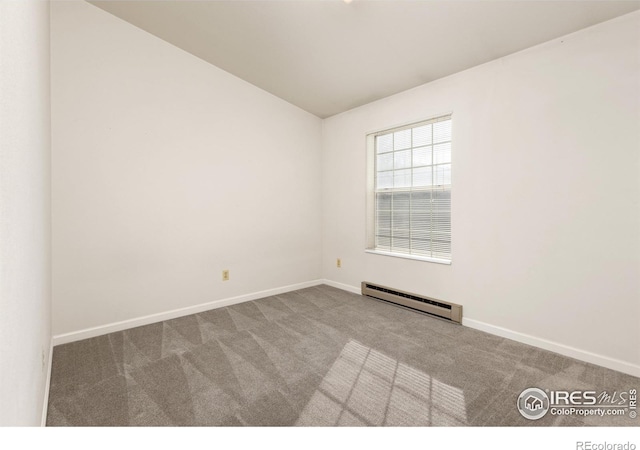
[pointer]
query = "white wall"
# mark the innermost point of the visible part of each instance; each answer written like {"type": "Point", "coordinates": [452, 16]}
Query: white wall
{"type": "Point", "coordinates": [546, 194]}
{"type": "Point", "coordinates": [167, 170]}
{"type": "Point", "coordinates": [25, 224]}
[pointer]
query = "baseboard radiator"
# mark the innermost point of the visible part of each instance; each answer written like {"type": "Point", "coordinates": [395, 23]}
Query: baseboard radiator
{"type": "Point", "coordinates": [445, 310]}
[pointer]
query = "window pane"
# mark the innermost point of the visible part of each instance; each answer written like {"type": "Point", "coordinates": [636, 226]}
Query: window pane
{"type": "Point", "coordinates": [383, 201]}
{"type": "Point", "coordinates": [442, 131]}
{"type": "Point", "coordinates": [402, 139]}
{"type": "Point", "coordinates": [384, 218]}
{"type": "Point", "coordinates": [402, 160]}
{"type": "Point", "coordinates": [420, 224]}
{"type": "Point", "coordinates": [440, 223]}
{"type": "Point", "coordinates": [422, 156]}
{"type": "Point", "coordinates": [402, 178]}
{"type": "Point", "coordinates": [442, 153]}
{"type": "Point", "coordinates": [421, 200]}
{"type": "Point", "coordinates": [383, 227]}
{"type": "Point", "coordinates": [422, 135]}
{"type": "Point", "coordinates": [441, 205]}
{"type": "Point", "coordinates": [441, 249]}
{"type": "Point", "coordinates": [441, 215]}
{"type": "Point", "coordinates": [413, 204]}
{"type": "Point", "coordinates": [441, 198]}
{"type": "Point", "coordinates": [385, 162]}
{"type": "Point", "coordinates": [423, 234]}
{"type": "Point", "coordinates": [383, 239]}
{"type": "Point", "coordinates": [401, 201]}
{"type": "Point", "coordinates": [401, 216]}
{"type": "Point", "coordinates": [442, 174]}
{"type": "Point", "coordinates": [422, 177]}
{"type": "Point", "coordinates": [400, 222]}
{"type": "Point", "coordinates": [384, 143]}
{"type": "Point", "coordinates": [385, 180]}
{"type": "Point", "coordinates": [400, 245]}
{"type": "Point", "coordinates": [421, 247]}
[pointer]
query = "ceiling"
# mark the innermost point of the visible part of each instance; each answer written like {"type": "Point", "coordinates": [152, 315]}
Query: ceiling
{"type": "Point", "coordinates": [328, 56]}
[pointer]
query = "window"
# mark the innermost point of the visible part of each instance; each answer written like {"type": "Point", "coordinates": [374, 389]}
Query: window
{"type": "Point", "coordinates": [409, 200]}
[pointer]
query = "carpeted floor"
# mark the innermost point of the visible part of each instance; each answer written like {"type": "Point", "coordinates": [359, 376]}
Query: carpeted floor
{"type": "Point", "coordinates": [317, 356]}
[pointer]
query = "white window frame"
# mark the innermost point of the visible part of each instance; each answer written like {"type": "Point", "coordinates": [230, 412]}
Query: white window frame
{"type": "Point", "coordinates": [371, 193]}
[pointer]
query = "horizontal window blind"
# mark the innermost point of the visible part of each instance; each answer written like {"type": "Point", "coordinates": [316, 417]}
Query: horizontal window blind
{"type": "Point", "coordinates": [413, 189]}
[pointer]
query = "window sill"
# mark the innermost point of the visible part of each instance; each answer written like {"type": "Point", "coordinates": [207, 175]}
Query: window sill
{"type": "Point", "coordinates": [414, 257]}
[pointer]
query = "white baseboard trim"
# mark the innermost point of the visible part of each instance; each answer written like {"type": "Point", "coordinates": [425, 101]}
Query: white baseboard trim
{"type": "Point", "coordinates": [158, 317]}
{"type": "Point", "coordinates": [572, 352]}
{"type": "Point", "coordinates": [344, 287]}
{"type": "Point", "coordinates": [45, 406]}
{"type": "Point", "coordinates": [582, 355]}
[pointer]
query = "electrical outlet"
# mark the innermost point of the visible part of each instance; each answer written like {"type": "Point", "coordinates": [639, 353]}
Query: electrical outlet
{"type": "Point", "coordinates": [338, 263]}
{"type": "Point", "coordinates": [225, 275]}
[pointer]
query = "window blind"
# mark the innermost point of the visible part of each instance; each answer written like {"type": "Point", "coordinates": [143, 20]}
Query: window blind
{"type": "Point", "coordinates": [413, 189]}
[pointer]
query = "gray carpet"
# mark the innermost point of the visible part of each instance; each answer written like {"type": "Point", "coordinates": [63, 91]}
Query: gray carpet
{"type": "Point", "coordinates": [317, 356]}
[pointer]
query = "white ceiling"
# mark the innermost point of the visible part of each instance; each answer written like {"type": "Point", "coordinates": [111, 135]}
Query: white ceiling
{"type": "Point", "coordinates": [327, 56]}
